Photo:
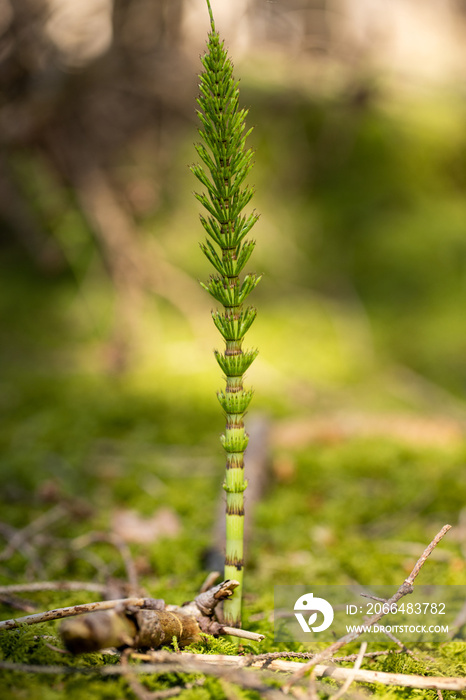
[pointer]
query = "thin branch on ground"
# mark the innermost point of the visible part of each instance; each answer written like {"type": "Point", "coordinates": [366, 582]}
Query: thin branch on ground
{"type": "Point", "coordinates": [351, 677]}
{"type": "Point", "coordinates": [210, 581]}
{"type": "Point", "coordinates": [422, 559]}
{"type": "Point", "coordinates": [405, 589]}
{"type": "Point", "coordinates": [53, 586]}
{"type": "Point", "coordinates": [73, 610]}
{"type": "Point", "coordinates": [403, 649]}
{"type": "Point", "coordinates": [398, 642]}
{"type": "Point", "coordinates": [16, 603]}
{"type": "Point", "coordinates": [458, 622]}
{"type": "Point", "coordinates": [310, 655]}
{"type": "Point", "coordinates": [312, 690]}
{"type": "Point", "coordinates": [243, 634]}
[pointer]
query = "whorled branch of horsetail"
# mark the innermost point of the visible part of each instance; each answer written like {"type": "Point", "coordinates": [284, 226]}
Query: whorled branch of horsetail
{"type": "Point", "coordinates": [226, 164]}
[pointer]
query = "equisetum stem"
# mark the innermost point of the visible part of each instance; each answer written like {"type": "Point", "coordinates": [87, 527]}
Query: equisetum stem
{"type": "Point", "coordinates": [226, 165]}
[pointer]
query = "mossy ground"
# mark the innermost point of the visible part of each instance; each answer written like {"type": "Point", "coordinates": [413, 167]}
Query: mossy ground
{"type": "Point", "coordinates": [341, 514]}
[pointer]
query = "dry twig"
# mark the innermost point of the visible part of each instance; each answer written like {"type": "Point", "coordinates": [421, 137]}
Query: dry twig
{"type": "Point", "coordinates": [71, 611]}
{"type": "Point", "coordinates": [53, 586]}
{"type": "Point", "coordinates": [405, 589]}
{"type": "Point", "coordinates": [351, 677]}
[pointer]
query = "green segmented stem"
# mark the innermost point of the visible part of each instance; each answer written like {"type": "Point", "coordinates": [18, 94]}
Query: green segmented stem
{"type": "Point", "coordinates": [226, 163]}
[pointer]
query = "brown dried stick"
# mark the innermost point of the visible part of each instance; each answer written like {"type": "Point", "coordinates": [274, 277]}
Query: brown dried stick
{"type": "Point", "coordinates": [60, 613]}
{"type": "Point", "coordinates": [405, 589]}
{"type": "Point", "coordinates": [53, 586]}
{"type": "Point", "coordinates": [428, 550]}
{"type": "Point", "coordinates": [350, 678]}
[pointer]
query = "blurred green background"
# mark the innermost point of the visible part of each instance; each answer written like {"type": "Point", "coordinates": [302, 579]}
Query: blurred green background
{"type": "Point", "coordinates": [107, 374]}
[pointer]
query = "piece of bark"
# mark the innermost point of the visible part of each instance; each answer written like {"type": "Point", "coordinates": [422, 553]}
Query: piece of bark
{"type": "Point", "coordinates": [142, 629]}
{"type": "Point", "coordinates": [98, 630]}
{"type": "Point", "coordinates": [157, 628]}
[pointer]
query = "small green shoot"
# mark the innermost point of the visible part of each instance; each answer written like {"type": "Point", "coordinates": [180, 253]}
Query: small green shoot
{"type": "Point", "coordinates": [226, 164]}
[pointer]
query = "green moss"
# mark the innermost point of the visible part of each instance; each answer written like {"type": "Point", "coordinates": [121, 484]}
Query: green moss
{"type": "Point", "coordinates": [343, 515]}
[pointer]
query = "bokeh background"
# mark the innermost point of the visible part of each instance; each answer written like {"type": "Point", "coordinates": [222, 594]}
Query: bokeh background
{"type": "Point", "coordinates": [108, 380]}
{"type": "Point", "coordinates": [360, 169]}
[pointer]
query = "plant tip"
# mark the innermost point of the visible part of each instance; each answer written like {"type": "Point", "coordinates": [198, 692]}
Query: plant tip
{"type": "Point", "coordinates": [211, 15]}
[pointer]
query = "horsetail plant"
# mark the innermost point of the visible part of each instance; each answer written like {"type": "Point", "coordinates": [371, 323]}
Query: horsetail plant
{"type": "Point", "coordinates": [226, 164]}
